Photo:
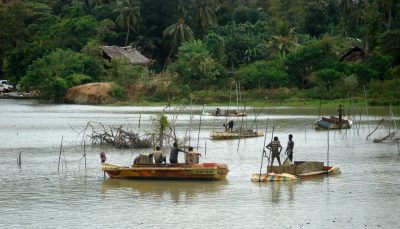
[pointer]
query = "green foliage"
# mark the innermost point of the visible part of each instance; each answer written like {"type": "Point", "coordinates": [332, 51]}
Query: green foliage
{"type": "Point", "coordinates": [390, 44]}
{"type": "Point", "coordinates": [305, 61]}
{"type": "Point", "coordinates": [216, 46]}
{"type": "Point", "coordinates": [119, 93]}
{"type": "Point", "coordinates": [124, 73]}
{"type": "Point", "coordinates": [244, 43]}
{"type": "Point", "coordinates": [264, 74]}
{"type": "Point", "coordinates": [269, 44]}
{"type": "Point", "coordinates": [64, 33]}
{"type": "Point", "coordinates": [53, 74]}
{"type": "Point", "coordinates": [385, 92]}
{"type": "Point", "coordinates": [195, 67]}
{"type": "Point", "coordinates": [327, 77]}
{"type": "Point", "coordinates": [243, 14]}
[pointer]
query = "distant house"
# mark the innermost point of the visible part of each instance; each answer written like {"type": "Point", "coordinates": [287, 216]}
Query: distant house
{"type": "Point", "coordinates": [131, 54]}
{"type": "Point", "coordinates": [354, 55]}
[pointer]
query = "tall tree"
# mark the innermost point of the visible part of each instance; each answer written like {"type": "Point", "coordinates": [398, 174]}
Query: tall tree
{"type": "Point", "coordinates": [129, 15]}
{"type": "Point", "coordinates": [205, 15]}
{"type": "Point", "coordinates": [177, 33]}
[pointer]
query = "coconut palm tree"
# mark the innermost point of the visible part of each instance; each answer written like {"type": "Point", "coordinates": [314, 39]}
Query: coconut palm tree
{"type": "Point", "coordinates": [205, 15]}
{"type": "Point", "coordinates": [129, 15]}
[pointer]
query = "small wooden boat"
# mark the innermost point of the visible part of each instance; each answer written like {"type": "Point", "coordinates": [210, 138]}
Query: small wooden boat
{"type": "Point", "coordinates": [224, 113]}
{"type": "Point", "coordinates": [298, 170]}
{"type": "Point", "coordinates": [203, 171]}
{"type": "Point", "coordinates": [333, 123]}
{"type": "Point", "coordinates": [269, 177]}
{"type": "Point", "coordinates": [224, 135]}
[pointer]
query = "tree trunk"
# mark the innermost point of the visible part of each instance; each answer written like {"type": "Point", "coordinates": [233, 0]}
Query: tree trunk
{"type": "Point", "coordinates": [127, 36]}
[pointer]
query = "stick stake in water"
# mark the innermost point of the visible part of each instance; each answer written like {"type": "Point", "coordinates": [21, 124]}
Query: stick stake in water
{"type": "Point", "coordinates": [59, 156]}
{"type": "Point", "coordinates": [263, 153]}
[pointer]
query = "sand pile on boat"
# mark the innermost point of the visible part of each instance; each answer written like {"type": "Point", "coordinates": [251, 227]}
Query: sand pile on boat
{"type": "Point", "coordinates": [91, 93]}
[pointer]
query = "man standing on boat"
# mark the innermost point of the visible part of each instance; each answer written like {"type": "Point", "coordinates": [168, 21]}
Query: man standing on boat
{"type": "Point", "coordinates": [289, 148]}
{"type": "Point", "coordinates": [173, 156]}
{"type": "Point", "coordinates": [230, 125]}
{"type": "Point", "coordinates": [276, 148]}
{"type": "Point", "coordinates": [340, 113]}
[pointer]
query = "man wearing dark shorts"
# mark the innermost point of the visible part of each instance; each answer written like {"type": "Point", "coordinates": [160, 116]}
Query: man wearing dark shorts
{"type": "Point", "coordinates": [276, 148]}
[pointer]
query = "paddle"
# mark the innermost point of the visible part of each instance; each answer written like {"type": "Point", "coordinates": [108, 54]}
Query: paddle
{"type": "Point", "coordinates": [263, 153]}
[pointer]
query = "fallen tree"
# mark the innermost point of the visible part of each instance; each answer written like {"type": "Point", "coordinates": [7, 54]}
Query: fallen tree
{"type": "Point", "coordinates": [118, 137]}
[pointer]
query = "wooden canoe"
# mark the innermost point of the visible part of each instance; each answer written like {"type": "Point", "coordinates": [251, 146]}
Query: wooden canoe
{"type": "Point", "coordinates": [300, 169]}
{"type": "Point", "coordinates": [333, 123]}
{"type": "Point", "coordinates": [224, 135]}
{"type": "Point", "coordinates": [203, 171]}
{"type": "Point", "coordinates": [225, 113]}
{"type": "Point", "coordinates": [328, 170]}
{"type": "Point", "coordinates": [270, 177]}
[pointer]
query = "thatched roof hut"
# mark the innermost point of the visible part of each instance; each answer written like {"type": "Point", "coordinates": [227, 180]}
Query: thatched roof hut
{"type": "Point", "coordinates": [131, 54]}
{"type": "Point", "coordinates": [354, 55]}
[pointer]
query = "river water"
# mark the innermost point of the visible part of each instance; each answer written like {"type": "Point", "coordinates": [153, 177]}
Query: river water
{"type": "Point", "coordinates": [37, 195]}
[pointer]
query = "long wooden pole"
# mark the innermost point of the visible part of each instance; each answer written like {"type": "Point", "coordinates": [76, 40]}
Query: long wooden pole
{"type": "Point", "coordinates": [366, 106]}
{"type": "Point", "coordinates": [190, 122]}
{"type": "Point", "coordinates": [237, 98]}
{"type": "Point", "coordinates": [262, 153]}
{"type": "Point", "coordinates": [198, 135]}
{"type": "Point", "coordinates": [84, 152]}
{"type": "Point", "coordinates": [327, 154]}
{"type": "Point", "coordinates": [59, 156]}
{"type": "Point", "coordinates": [270, 150]}
{"type": "Point", "coordinates": [140, 117]}
{"type": "Point", "coordinates": [240, 132]}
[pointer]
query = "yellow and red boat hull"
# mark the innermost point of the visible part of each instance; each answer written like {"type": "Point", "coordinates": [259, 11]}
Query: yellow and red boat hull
{"type": "Point", "coordinates": [203, 171]}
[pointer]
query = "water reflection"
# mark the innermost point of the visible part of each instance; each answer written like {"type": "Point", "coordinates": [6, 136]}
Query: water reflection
{"type": "Point", "coordinates": [176, 190]}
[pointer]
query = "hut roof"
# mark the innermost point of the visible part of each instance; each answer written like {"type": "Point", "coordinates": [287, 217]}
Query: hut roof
{"type": "Point", "coordinates": [133, 55]}
{"type": "Point", "coordinates": [355, 54]}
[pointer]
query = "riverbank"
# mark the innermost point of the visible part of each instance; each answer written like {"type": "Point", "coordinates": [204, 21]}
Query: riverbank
{"type": "Point", "coordinates": [254, 103]}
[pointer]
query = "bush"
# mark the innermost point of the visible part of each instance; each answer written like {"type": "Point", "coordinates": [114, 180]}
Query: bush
{"type": "Point", "coordinates": [120, 93]}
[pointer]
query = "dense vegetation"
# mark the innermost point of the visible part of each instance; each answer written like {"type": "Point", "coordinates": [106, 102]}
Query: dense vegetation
{"type": "Point", "coordinates": [276, 48]}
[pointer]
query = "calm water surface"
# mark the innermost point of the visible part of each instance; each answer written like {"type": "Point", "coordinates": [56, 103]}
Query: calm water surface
{"type": "Point", "coordinates": [365, 195]}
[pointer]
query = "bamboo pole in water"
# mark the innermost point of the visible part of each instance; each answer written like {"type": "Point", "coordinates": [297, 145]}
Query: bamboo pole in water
{"type": "Point", "coordinates": [190, 122]}
{"type": "Point", "coordinates": [263, 153]}
{"type": "Point", "coordinates": [19, 160]}
{"type": "Point", "coordinates": [366, 106]}
{"type": "Point", "coordinates": [240, 132]}
{"type": "Point", "coordinates": [84, 152]}
{"type": "Point", "coordinates": [140, 117]}
{"type": "Point", "coordinates": [198, 135]}
{"type": "Point", "coordinates": [205, 149]}
{"type": "Point", "coordinates": [59, 155]}
{"type": "Point", "coordinates": [327, 154]}
{"type": "Point", "coordinates": [270, 150]}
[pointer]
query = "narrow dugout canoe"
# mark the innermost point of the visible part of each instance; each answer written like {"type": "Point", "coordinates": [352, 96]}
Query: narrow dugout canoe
{"type": "Point", "coordinates": [333, 123]}
{"type": "Point", "coordinates": [203, 171]}
{"type": "Point", "coordinates": [224, 135]}
{"type": "Point", "coordinates": [299, 170]}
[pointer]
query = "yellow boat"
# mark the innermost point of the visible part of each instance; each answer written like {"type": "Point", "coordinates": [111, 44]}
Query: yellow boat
{"type": "Point", "coordinates": [181, 171]}
{"type": "Point", "coordinates": [224, 135]}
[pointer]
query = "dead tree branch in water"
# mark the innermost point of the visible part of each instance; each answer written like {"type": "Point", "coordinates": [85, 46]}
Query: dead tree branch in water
{"type": "Point", "coordinates": [118, 137]}
{"type": "Point", "coordinates": [377, 125]}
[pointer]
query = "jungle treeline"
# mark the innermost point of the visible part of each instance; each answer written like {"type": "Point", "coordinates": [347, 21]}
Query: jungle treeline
{"type": "Point", "coordinates": [280, 49]}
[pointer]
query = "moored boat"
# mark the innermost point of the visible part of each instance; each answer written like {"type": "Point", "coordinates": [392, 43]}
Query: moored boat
{"type": "Point", "coordinates": [224, 135]}
{"type": "Point", "coordinates": [224, 113]}
{"type": "Point", "coordinates": [298, 170]}
{"type": "Point", "coordinates": [333, 123]}
{"type": "Point", "coordinates": [202, 171]}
